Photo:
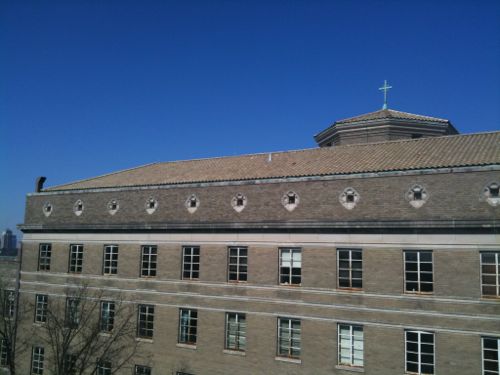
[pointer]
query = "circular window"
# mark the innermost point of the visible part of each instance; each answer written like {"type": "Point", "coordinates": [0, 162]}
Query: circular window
{"type": "Point", "coordinates": [47, 208]}
{"type": "Point", "coordinates": [78, 207]}
{"type": "Point", "coordinates": [349, 198]}
{"type": "Point", "coordinates": [113, 206]}
{"type": "Point", "coordinates": [290, 200]}
{"type": "Point", "coordinates": [192, 203]}
{"type": "Point", "coordinates": [417, 196]}
{"type": "Point", "coordinates": [151, 205]}
{"type": "Point", "coordinates": [239, 202]}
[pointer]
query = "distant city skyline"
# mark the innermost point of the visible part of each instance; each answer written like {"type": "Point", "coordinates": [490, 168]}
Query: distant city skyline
{"type": "Point", "coordinates": [89, 88]}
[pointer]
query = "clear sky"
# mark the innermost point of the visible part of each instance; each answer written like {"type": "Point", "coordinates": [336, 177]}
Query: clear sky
{"type": "Point", "coordinates": [91, 87]}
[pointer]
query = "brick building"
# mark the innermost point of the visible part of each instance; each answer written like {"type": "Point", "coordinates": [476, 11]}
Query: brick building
{"type": "Point", "coordinates": [377, 252]}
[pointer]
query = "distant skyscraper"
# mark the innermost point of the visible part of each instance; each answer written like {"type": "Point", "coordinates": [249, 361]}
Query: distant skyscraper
{"type": "Point", "coordinates": [8, 243]}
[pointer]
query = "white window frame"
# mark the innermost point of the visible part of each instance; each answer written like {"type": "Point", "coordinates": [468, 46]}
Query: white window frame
{"type": "Point", "coordinates": [104, 367]}
{"type": "Point", "coordinates": [349, 269]}
{"type": "Point", "coordinates": [110, 260]}
{"type": "Point", "coordinates": [295, 262]}
{"type": "Point", "coordinates": [4, 361]}
{"type": "Point", "coordinates": [142, 370]}
{"type": "Point", "coordinates": [419, 353]}
{"type": "Point", "coordinates": [73, 312]}
{"type": "Point", "coordinates": [291, 336]}
{"type": "Point", "coordinates": [145, 321]}
{"type": "Point", "coordinates": [41, 305]}
{"type": "Point", "coordinates": [107, 316]}
{"type": "Point", "coordinates": [37, 359]}
{"type": "Point", "coordinates": [484, 360]}
{"type": "Point", "coordinates": [351, 339]}
{"type": "Point", "coordinates": [418, 272]}
{"type": "Point", "coordinates": [238, 261]}
{"type": "Point", "coordinates": [75, 258]}
{"type": "Point", "coordinates": [237, 329]}
{"type": "Point", "coordinates": [496, 275]}
{"type": "Point", "coordinates": [188, 320]}
{"type": "Point", "coordinates": [44, 256]}
{"type": "Point", "coordinates": [189, 271]}
{"type": "Point", "coordinates": [149, 260]}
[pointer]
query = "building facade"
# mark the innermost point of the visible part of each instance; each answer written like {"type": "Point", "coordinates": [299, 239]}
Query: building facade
{"type": "Point", "coordinates": [376, 257]}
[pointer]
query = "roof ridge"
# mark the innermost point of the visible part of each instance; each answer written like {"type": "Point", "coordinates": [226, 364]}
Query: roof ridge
{"type": "Point", "coordinates": [101, 176]}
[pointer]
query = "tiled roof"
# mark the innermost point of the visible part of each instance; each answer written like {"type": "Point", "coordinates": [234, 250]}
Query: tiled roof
{"type": "Point", "coordinates": [389, 114]}
{"type": "Point", "coordinates": [435, 152]}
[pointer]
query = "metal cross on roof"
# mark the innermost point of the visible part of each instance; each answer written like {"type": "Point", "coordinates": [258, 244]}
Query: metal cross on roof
{"type": "Point", "coordinates": [385, 88]}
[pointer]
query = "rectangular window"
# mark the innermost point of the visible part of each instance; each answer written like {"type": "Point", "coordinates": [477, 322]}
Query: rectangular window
{"type": "Point", "coordinates": [289, 337]}
{"type": "Point", "coordinates": [491, 355]}
{"type": "Point", "coordinates": [148, 261]}
{"type": "Point", "coordinates": [4, 356]}
{"type": "Point", "coordinates": [490, 274]}
{"type": "Point", "coordinates": [419, 352]}
{"type": "Point", "coordinates": [44, 254]}
{"type": "Point", "coordinates": [350, 345]}
{"type": "Point", "coordinates": [72, 312]}
{"type": "Point", "coordinates": [418, 271]}
{"type": "Point", "coordinates": [41, 308]}
{"type": "Point", "coordinates": [70, 364]}
{"type": "Point", "coordinates": [188, 323]}
{"type": "Point", "coordinates": [110, 265]}
{"type": "Point", "coordinates": [103, 367]}
{"type": "Point", "coordinates": [107, 316]}
{"type": "Point", "coordinates": [350, 268]}
{"type": "Point", "coordinates": [145, 319]}
{"type": "Point", "coordinates": [9, 301]}
{"type": "Point", "coordinates": [75, 258]}
{"type": "Point", "coordinates": [237, 264]}
{"type": "Point", "coordinates": [37, 358]}
{"type": "Point", "coordinates": [142, 370]}
{"type": "Point", "coordinates": [190, 262]}
{"type": "Point", "coordinates": [236, 329]}
{"type": "Point", "coordinates": [290, 266]}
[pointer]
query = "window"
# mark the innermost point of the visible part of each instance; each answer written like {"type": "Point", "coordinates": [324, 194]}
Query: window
{"type": "Point", "coordinates": [47, 209]}
{"type": "Point", "coordinates": [349, 198]}
{"type": "Point", "coordinates": [75, 258]}
{"type": "Point", "coordinates": [188, 322]}
{"type": "Point", "coordinates": [9, 300]}
{"type": "Point", "coordinates": [103, 367]}
{"type": "Point", "coordinates": [37, 358]}
{"type": "Point", "coordinates": [239, 202]}
{"type": "Point", "coordinates": [492, 193]}
{"type": "Point", "coordinates": [236, 329]}
{"type": "Point", "coordinates": [290, 266]}
{"type": "Point", "coordinates": [110, 266]}
{"type": "Point", "coordinates": [490, 274]}
{"type": "Point", "coordinates": [290, 200]}
{"type": "Point", "coordinates": [417, 196]}
{"type": "Point", "coordinates": [148, 261]}
{"type": "Point", "coordinates": [289, 337]}
{"type": "Point", "coordinates": [113, 206]}
{"type": "Point", "coordinates": [190, 262]}
{"type": "Point", "coordinates": [44, 253]}
{"type": "Point", "coordinates": [237, 264]}
{"type": "Point", "coordinates": [41, 304]}
{"type": "Point", "coordinates": [491, 355]}
{"type": "Point", "coordinates": [418, 271]}
{"type": "Point", "coordinates": [4, 353]}
{"type": "Point", "coordinates": [350, 268]}
{"type": "Point", "coordinates": [142, 370]}
{"type": "Point", "coordinates": [70, 364]}
{"type": "Point", "coordinates": [192, 203]}
{"type": "Point", "coordinates": [72, 312]}
{"type": "Point", "coordinates": [350, 345]}
{"type": "Point", "coordinates": [151, 205]}
{"type": "Point", "coordinates": [146, 321]}
{"type": "Point", "coordinates": [107, 320]}
{"type": "Point", "coordinates": [419, 352]}
{"type": "Point", "coordinates": [78, 207]}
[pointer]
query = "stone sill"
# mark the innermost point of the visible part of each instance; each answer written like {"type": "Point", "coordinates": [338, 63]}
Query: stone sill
{"type": "Point", "coordinates": [186, 346]}
{"type": "Point", "coordinates": [350, 368]}
{"type": "Point", "coordinates": [142, 339]}
{"type": "Point", "coordinates": [234, 352]}
{"type": "Point", "coordinates": [288, 359]}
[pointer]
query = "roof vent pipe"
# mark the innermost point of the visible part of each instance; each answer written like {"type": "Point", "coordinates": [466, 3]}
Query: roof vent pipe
{"type": "Point", "coordinates": [270, 158]}
{"type": "Point", "coordinates": [39, 183]}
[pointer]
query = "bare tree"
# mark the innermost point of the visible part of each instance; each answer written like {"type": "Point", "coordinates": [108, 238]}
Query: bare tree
{"type": "Point", "coordinates": [10, 315]}
{"type": "Point", "coordinates": [83, 330]}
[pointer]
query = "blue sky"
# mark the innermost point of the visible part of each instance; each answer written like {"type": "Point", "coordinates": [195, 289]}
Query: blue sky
{"type": "Point", "coordinates": [91, 87]}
